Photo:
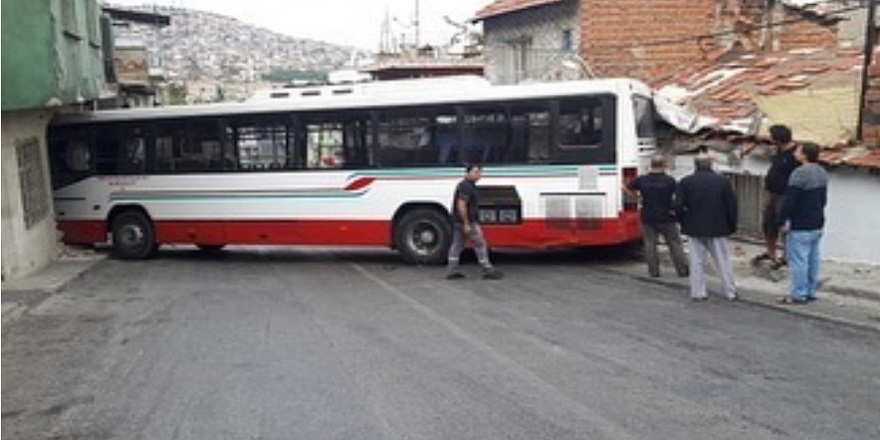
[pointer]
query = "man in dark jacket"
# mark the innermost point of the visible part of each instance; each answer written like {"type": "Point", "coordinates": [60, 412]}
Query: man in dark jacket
{"type": "Point", "coordinates": [804, 213]}
{"type": "Point", "coordinates": [657, 190]}
{"type": "Point", "coordinates": [707, 209]}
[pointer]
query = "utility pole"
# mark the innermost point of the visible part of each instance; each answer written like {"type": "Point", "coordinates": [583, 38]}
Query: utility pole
{"type": "Point", "coordinates": [870, 38]}
{"type": "Point", "coordinates": [416, 23]}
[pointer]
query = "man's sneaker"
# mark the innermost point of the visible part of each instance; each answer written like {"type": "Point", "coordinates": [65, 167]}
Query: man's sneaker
{"type": "Point", "coordinates": [454, 275]}
{"type": "Point", "coordinates": [492, 274]}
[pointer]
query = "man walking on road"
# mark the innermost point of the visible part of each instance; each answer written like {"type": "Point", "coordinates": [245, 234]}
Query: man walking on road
{"type": "Point", "coordinates": [465, 225]}
{"type": "Point", "coordinates": [657, 190]}
{"type": "Point", "coordinates": [804, 213]}
{"type": "Point", "coordinates": [707, 209]}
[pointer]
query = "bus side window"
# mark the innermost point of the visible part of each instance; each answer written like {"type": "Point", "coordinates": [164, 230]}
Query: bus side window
{"type": "Point", "coordinates": [72, 161]}
{"type": "Point", "coordinates": [530, 134]}
{"type": "Point", "coordinates": [132, 157]}
{"type": "Point", "coordinates": [485, 135]}
{"type": "Point", "coordinates": [585, 131]}
{"type": "Point", "coordinates": [447, 146]}
{"type": "Point", "coordinates": [164, 153]}
{"type": "Point", "coordinates": [325, 145]}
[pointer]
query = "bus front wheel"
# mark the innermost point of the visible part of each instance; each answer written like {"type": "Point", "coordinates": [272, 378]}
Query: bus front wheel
{"type": "Point", "coordinates": [133, 237]}
{"type": "Point", "coordinates": [423, 236]}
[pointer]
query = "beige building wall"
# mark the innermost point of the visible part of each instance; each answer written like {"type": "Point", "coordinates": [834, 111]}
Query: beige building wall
{"type": "Point", "coordinates": [29, 238]}
{"type": "Point", "coordinates": [825, 116]}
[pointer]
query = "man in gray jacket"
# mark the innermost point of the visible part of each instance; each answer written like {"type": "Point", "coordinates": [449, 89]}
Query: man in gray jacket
{"type": "Point", "coordinates": [804, 214]}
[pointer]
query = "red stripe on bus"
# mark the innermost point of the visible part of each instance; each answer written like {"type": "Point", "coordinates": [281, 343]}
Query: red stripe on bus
{"type": "Point", "coordinates": [532, 234]}
{"type": "Point", "coordinates": [359, 183]}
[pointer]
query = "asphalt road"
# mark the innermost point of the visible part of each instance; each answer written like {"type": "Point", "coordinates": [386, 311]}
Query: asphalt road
{"type": "Point", "coordinates": [317, 344]}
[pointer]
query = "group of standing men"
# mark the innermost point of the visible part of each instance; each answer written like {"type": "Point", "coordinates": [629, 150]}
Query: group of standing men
{"type": "Point", "coordinates": [705, 206]}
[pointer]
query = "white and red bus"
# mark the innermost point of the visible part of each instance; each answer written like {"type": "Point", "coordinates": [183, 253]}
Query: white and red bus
{"type": "Point", "coordinates": [365, 164]}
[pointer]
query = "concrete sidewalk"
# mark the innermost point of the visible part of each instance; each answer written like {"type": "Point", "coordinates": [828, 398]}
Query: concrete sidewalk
{"type": "Point", "coordinates": [23, 293]}
{"type": "Point", "coordinates": [849, 292]}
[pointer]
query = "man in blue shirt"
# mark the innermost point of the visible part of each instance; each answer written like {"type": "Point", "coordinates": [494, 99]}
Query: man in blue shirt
{"type": "Point", "coordinates": [804, 214]}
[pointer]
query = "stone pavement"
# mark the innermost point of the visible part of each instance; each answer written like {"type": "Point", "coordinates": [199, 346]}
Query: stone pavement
{"type": "Point", "coordinates": [849, 292]}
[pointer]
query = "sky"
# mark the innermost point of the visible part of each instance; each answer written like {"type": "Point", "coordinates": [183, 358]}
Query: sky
{"type": "Point", "coordinates": [356, 23]}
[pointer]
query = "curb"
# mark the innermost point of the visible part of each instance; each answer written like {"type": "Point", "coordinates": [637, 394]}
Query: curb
{"type": "Point", "coordinates": [857, 312]}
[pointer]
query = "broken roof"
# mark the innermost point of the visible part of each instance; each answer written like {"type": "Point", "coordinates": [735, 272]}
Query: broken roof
{"type": "Point", "coordinates": [738, 93]}
{"type": "Point", "coordinates": [501, 7]}
{"type": "Point", "coordinates": [814, 91]}
{"type": "Point", "coordinates": [825, 9]}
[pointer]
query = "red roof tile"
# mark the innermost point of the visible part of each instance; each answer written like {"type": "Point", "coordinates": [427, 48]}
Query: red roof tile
{"type": "Point", "coordinates": [501, 7]}
{"type": "Point", "coordinates": [870, 160]}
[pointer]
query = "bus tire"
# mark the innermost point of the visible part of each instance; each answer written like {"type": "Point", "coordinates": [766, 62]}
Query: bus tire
{"type": "Point", "coordinates": [423, 236]}
{"type": "Point", "coordinates": [133, 236]}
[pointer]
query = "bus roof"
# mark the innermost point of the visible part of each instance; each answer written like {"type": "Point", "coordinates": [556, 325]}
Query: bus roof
{"type": "Point", "coordinates": [401, 93]}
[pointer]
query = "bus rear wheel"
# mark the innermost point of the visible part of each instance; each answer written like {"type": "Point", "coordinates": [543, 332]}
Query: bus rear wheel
{"type": "Point", "coordinates": [133, 236]}
{"type": "Point", "coordinates": [423, 236]}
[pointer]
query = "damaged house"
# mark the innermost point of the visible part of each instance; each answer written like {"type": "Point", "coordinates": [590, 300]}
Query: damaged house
{"type": "Point", "coordinates": [723, 72]}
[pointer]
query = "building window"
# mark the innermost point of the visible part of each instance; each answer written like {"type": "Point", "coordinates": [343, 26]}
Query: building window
{"type": "Point", "coordinates": [34, 194]}
{"type": "Point", "coordinates": [567, 42]}
{"type": "Point", "coordinates": [519, 50]}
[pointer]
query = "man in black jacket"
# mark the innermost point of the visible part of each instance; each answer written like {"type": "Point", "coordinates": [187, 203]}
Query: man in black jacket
{"type": "Point", "coordinates": [707, 209]}
{"type": "Point", "coordinates": [657, 190]}
{"type": "Point", "coordinates": [782, 163]}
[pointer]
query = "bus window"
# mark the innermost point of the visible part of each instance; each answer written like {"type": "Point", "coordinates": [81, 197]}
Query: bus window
{"type": "Point", "coordinates": [424, 138]}
{"type": "Point", "coordinates": [355, 143]}
{"type": "Point", "coordinates": [401, 137]}
{"type": "Point", "coordinates": [335, 140]}
{"type": "Point", "coordinates": [196, 146]}
{"type": "Point", "coordinates": [261, 146]}
{"type": "Point", "coordinates": [72, 157]}
{"type": "Point", "coordinates": [485, 134]}
{"type": "Point", "coordinates": [585, 131]}
{"type": "Point", "coordinates": [324, 145]}
{"type": "Point", "coordinates": [121, 150]}
{"type": "Point", "coordinates": [644, 113]}
{"type": "Point", "coordinates": [530, 134]}
{"type": "Point", "coordinates": [165, 157]}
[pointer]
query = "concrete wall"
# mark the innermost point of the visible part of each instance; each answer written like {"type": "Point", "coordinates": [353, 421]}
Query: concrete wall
{"type": "Point", "coordinates": [26, 248]}
{"type": "Point", "coordinates": [52, 53]}
{"type": "Point", "coordinates": [541, 28]}
{"type": "Point", "coordinates": [853, 214]}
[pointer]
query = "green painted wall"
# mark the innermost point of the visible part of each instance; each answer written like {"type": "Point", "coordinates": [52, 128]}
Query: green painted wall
{"type": "Point", "coordinates": [50, 53]}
